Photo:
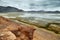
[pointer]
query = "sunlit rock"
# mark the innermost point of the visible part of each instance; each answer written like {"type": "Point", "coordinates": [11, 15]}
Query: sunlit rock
{"type": "Point", "coordinates": [7, 35]}
{"type": "Point", "coordinates": [54, 27]}
{"type": "Point", "coordinates": [21, 31]}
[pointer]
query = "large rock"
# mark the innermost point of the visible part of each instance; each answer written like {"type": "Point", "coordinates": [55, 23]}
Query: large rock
{"type": "Point", "coordinates": [22, 32]}
{"type": "Point", "coordinates": [25, 32]}
{"type": "Point", "coordinates": [7, 35]}
{"type": "Point", "coordinates": [54, 27]}
{"type": "Point", "coordinates": [42, 34]}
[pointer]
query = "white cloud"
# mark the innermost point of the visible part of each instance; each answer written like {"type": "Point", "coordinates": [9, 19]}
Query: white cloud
{"type": "Point", "coordinates": [32, 4]}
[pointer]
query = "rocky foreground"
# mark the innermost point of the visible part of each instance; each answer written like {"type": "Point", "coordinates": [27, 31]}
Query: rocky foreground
{"type": "Point", "coordinates": [10, 30]}
{"type": "Point", "coordinates": [17, 31]}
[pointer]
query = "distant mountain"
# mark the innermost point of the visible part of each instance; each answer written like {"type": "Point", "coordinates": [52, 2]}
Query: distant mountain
{"type": "Point", "coordinates": [46, 11]}
{"type": "Point", "coordinates": [9, 9]}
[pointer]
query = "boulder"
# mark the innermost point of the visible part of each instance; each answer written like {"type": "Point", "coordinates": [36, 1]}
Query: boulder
{"type": "Point", "coordinates": [21, 31]}
{"type": "Point", "coordinates": [7, 35]}
{"type": "Point", "coordinates": [42, 34]}
{"type": "Point", "coordinates": [54, 27]}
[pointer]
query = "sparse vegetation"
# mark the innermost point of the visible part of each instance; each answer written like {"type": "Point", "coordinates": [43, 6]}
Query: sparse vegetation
{"type": "Point", "coordinates": [47, 26]}
{"type": "Point", "coordinates": [32, 21]}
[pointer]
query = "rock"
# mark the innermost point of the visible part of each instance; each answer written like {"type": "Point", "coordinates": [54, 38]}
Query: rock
{"type": "Point", "coordinates": [7, 35]}
{"type": "Point", "coordinates": [42, 34]}
{"type": "Point", "coordinates": [21, 31]}
{"type": "Point", "coordinates": [54, 27]}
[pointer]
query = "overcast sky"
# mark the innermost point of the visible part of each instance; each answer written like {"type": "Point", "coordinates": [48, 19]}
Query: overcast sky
{"type": "Point", "coordinates": [32, 4]}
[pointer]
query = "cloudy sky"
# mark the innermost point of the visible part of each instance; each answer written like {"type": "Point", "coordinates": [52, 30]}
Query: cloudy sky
{"type": "Point", "coordinates": [32, 4]}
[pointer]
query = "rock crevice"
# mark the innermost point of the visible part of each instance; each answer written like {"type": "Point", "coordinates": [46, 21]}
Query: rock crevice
{"type": "Point", "coordinates": [20, 31]}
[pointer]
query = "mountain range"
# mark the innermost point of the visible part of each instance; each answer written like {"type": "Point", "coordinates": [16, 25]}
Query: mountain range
{"type": "Point", "coordinates": [13, 9]}
{"type": "Point", "coordinates": [9, 9]}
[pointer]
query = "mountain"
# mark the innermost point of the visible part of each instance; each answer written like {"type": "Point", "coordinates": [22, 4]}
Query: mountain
{"type": "Point", "coordinates": [9, 9]}
{"type": "Point", "coordinates": [43, 11]}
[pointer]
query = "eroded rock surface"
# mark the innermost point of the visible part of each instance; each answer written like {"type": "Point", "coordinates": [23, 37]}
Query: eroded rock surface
{"type": "Point", "coordinates": [42, 34]}
{"type": "Point", "coordinates": [54, 27]}
{"type": "Point", "coordinates": [7, 35]}
{"type": "Point", "coordinates": [21, 32]}
{"type": "Point", "coordinates": [10, 30]}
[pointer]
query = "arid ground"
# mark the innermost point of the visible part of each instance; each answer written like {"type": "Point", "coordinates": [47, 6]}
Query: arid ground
{"type": "Point", "coordinates": [45, 29]}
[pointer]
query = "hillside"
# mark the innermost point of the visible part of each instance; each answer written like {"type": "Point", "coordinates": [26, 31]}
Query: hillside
{"type": "Point", "coordinates": [9, 9]}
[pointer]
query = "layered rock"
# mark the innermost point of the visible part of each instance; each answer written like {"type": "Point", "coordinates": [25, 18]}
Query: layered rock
{"type": "Point", "coordinates": [10, 30]}
{"type": "Point", "coordinates": [42, 34]}
{"type": "Point", "coordinates": [7, 35]}
{"type": "Point", "coordinates": [22, 32]}
{"type": "Point", "coordinates": [54, 27]}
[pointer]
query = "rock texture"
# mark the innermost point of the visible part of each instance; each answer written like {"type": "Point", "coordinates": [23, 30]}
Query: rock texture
{"type": "Point", "coordinates": [10, 30]}
{"type": "Point", "coordinates": [7, 35]}
{"type": "Point", "coordinates": [22, 32]}
{"type": "Point", "coordinates": [42, 34]}
{"type": "Point", "coordinates": [54, 27]}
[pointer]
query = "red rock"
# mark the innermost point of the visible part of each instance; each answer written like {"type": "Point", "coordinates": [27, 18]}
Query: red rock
{"type": "Point", "coordinates": [7, 35]}
{"type": "Point", "coordinates": [21, 31]}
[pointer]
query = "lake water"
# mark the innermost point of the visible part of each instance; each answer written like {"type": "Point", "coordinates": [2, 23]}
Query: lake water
{"type": "Point", "coordinates": [51, 16]}
{"type": "Point", "coordinates": [55, 16]}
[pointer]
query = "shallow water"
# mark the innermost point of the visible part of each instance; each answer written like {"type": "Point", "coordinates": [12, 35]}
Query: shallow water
{"type": "Point", "coordinates": [52, 16]}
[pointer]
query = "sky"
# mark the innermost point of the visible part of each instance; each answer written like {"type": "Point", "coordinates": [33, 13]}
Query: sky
{"type": "Point", "coordinates": [28, 5]}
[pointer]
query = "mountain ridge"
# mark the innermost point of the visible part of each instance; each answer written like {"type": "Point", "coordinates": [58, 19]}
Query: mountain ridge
{"type": "Point", "coordinates": [9, 9]}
